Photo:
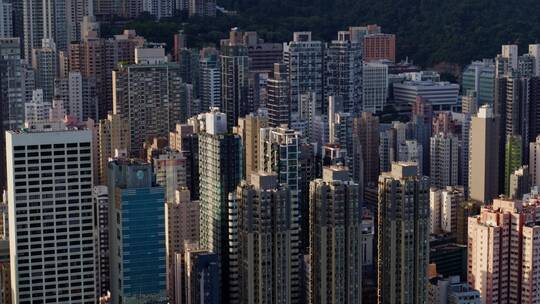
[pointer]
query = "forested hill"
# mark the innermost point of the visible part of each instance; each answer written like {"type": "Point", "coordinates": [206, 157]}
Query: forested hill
{"type": "Point", "coordinates": [428, 31]}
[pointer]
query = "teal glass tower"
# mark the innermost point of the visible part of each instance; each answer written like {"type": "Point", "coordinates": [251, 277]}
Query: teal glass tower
{"type": "Point", "coordinates": [137, 228]}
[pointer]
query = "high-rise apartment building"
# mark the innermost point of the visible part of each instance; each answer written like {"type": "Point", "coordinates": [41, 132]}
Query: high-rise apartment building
{"type": "Point", "coordinates": [12, 94]}
{"type": "Point", "coordinates": [181, 225]}
{"type": "Point", "coordinates": [113, 136]}
{"type": "Point", "coordinates": [51, 216]}
{"type": "Point", "coordinates": [202, 277]}
{"type": "Point", "coordinates": [184, 139]}
{"type": "Point", "coordinates": [203, 8]}
{"type": "Point", "coordinates": [484, 156]}
{"type": "Point", "coordinates": [234, 78]}
{"type": "Point", "coordinates": [129, 8]}
{"type": "Point", "coordinates": [279, 153]}
{"type": "Point", "coordinates": [100, 195]}
{"type": "Point", "coordinates": [159, 8]}
{"type": "Point", "coordinates": [105, 9]}
{"type": "Point", "coordinates": [374, 86]}
{"type": "Point", "coordinates": [304, 59]}
{"type": "Point", "coordinates": [335, 221]}
{"type": "Point", "coordinates": [79, 96]}
{"type": "Point", "coordinates": [343, 71]}
{"type": "Point", "coordinates": [366, 148]}
{"type": "Point", "coordinates": [95, 58]}
{"type": "Point", "coordinates": [170, 170]}
{"type": "Point", "coordinates": [6, 22]}
{"type": "Point", "coordinates": [76, 10]}
{"type": "Point", "coordinates": [534, 161]}
{"type": "Point", "coordinates": [519, 183]}
{"type": "Point", "coordinates": [249, 128]}
{"type": "Point", "coordinates": [137, 233]}
{"type": "Point", "coordinates": [278, 103]}
{"type": "Point", "coordinates": [502, 251]}
{"type": "Point", "coordinates": [479, 76]}
{"type": "Point", "coordinates": [261, 234]}
{"type": "Point", "coordinates": [444, 159]}
{"type": "Point", "coordinates": [379, 46]}
{"type": "Point", "coordinates": [40, 20]}
{"type": "Point", "coordinates": [403, 229]}
{"type": "Point", "coordinates": [148, 96]}
{"type": "Point", "coordinates": [452, 291]}
{"type": "Point", "coordinates": [411, 151]}
{"type": "Point", "coordinates": [220, 171]}
{"type": "Point", "coordinates": [209, 79]}
{"type": "Point", "coordinates": [263, 55]}
{"type": "Point", "coordinates": [444, 204]}
{"type": "Point", "coordinates": [45, 65]}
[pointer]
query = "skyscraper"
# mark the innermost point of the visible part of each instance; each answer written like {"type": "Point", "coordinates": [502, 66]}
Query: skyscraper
{"type": "Point", "coordinates": [96, 57]}
{"type": "Point", "coordinates": [343, 71]}
{"type": "Point", "coordinates": [220, 171]}
{"type": "Point", "coordinates": [519, 183]}
{"type": "Point", "coordinates": [100, 195]}
{"type": "Point", "coordinates": [202, 277]}
{"type": "Point", "coordinates": [249, 128]}
{"type": "Point", "coordinates": [366, 147]}
{"type": "Point", "coordinates": [6, 24]}
{"type": "Point", "coordinates": [374, 86]}
{"type": "Point", "coordinates": [403, 229]}
{"type": "Point", "coordinates": [203, 8]}
{"type": "Point", "coordinates": [444, 204]}
{"type": "Point", "coordinates": [181, 225]}
{"type": "Point", "coordinates": [444, 158]}
{"type": "Point", "coordinates": [479, 76]}
{"type": "Point", "coordinates": [170, 170]}
{"type": "Point", "coordinates": [304, 59]}
{"type": "Point", "coordinates": [59, 197]}
{"type": "Point", "coordinates": [12, 94]}
{"type": "Point", "coordinates": [45, 65]}
{"type": "Point", "coordinates": [278, 103]}
{"type": "Point", "coordinates": [280, 154]}
{"type": "Point", "coordinates": [234, 78]}
{"type": "Point", "coordinates": [159, 8]}
{"type": "Point", "coordinates": [137, 233]}
{"type": "Point", "coordinates": [210, 79]}
{"type": "Point", "coordinates": [184, 139]}
{"type": "Point", "coordinates": [335, 220]}
{"type": "Point", "coordinates": [484, 156]}
{"type": "Point", "coordinates": [534, 161]}
{"type": "Point", "coordinates": [261, 232]}
{"type": "Point", "coordinates": [501, 247]}
{"type": "Point", "coordinates": [147, 95]}
{"type": "Point", "coordinates": [379, 46]}
{"type": "Point", "coordinates": [42, 20]}
{"type": "Point", "coordinates": [113, 135]}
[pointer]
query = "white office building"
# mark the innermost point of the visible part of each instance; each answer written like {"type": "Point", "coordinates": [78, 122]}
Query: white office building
{"type": "Point", "coordinates": [374, 86]}
{"type": "Point", "coordinates": [442, 95]}
{"type": "Point", "coordinates": [51, 216]}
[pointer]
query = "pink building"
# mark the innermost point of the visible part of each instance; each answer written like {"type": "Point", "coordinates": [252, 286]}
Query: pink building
{"type": "Point", "coordinates": [504, 252]}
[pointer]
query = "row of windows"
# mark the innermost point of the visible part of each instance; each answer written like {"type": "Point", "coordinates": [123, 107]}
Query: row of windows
{"type": "Point", "coordinates": [50, 174]}
{"type": "Point", "coordinates": [49, 146]}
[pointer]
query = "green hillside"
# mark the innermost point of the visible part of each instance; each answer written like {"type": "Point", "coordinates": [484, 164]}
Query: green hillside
{"type": "Point", "coordinates": [428, 31]}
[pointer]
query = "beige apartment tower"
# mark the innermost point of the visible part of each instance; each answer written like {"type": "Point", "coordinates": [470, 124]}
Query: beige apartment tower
{"type": "Point", "coordinates": [484, 156]}
{"type": "Point", "coordinates": [403, 227]}
{"type": "Point", "coordinates": [113, 135]}
{"type": "Point", "coordinates": [335, 220]}
{"type": "Point", "coordinates": [249, 128]}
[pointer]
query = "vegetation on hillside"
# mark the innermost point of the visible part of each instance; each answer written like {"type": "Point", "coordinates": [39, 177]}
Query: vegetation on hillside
{"type": "Point", "coordinates": [428, 31]}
